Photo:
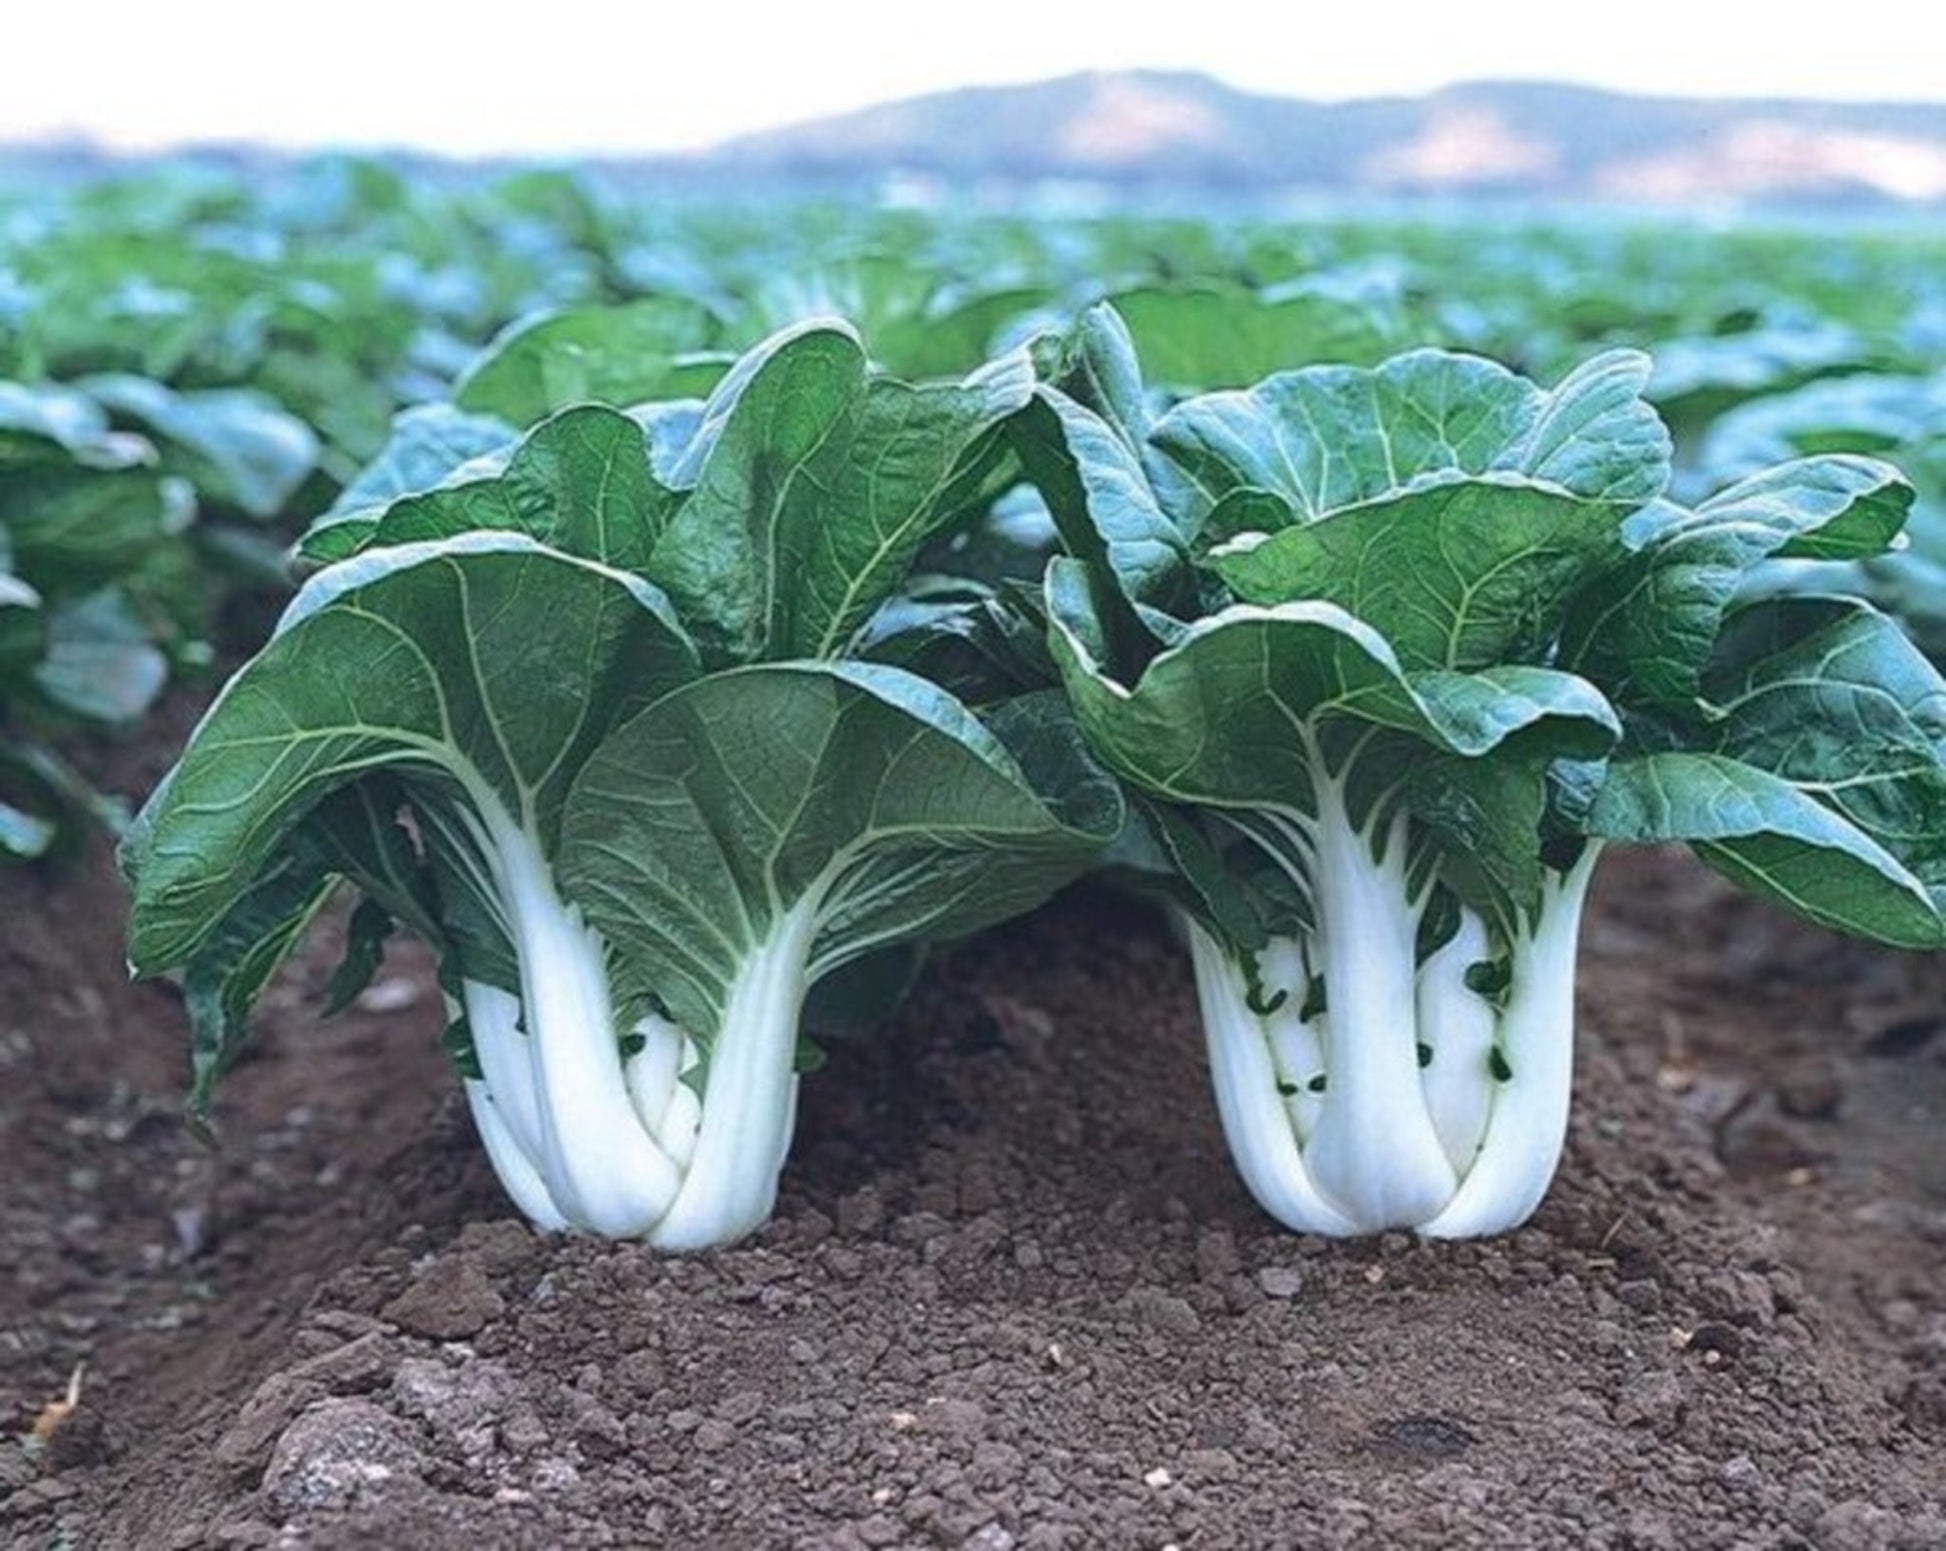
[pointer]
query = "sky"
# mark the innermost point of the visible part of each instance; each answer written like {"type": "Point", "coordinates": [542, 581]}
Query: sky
{"type": "Point", "coordinates": [566, 76]}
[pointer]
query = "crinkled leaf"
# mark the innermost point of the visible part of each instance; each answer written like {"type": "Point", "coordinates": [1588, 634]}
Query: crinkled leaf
{"type": "Point", "coordinates": [1645, 629]}
{"type": "Point", "coordinates": [816, 487]}
{"type": "Point", "coordinates": [1333, 437]}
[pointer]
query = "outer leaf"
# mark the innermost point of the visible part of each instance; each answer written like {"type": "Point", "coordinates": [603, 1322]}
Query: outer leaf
{"type": "Point", "coordinates": [1228, 714]}
{"type": "Point", "coordinates": [426, 659]}
{"type": "Point", "coordinates": [355, 835]}
{"type": "Point", "coordinates": [1830, 695]}
{"type": "Point", "coordinates": [1461, 574]}
{"type": "Point", "coordinates": [1645, 631]}
{"type": "Point", "coordinates": [428, 443]}
{"type": "Point", "coordinates": [1766, 835]}
{"type": "Point", "coordinates": [579, 482]}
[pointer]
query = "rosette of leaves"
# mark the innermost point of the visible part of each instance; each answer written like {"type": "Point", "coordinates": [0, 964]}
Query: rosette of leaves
{"type": "Point", "coordinates": [1387, 659]}
{"type": "Point", "coordinates": [584, 717]}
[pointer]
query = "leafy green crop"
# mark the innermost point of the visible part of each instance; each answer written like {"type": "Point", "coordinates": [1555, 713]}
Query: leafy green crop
{"type": "Point", "coordinates": [661, 626]}
{"type": "Point", "coordinates": [1459, 644]}
{"type": "Point", "coordinates": [650, 804]}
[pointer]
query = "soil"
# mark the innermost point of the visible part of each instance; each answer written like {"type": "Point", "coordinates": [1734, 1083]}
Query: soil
{"type": "Point", "coordinates": [1013, 1295]}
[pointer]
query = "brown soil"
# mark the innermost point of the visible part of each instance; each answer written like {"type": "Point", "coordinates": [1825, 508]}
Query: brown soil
{"type": "Point", "coordinates": [1013, 1297]}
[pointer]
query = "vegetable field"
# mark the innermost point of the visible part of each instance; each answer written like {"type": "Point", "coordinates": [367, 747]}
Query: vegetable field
{"type": "Point", "coordinates": [817, 877]}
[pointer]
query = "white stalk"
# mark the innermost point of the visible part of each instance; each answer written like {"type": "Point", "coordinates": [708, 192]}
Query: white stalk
{"type": "Point", "coordinates": [663, 1101]}
{"type": "Point", "coordinates": [682, 1121]}
{"type": "Point", "coordinates": [512, 1163]}
{"type": "Point", "coordinates": [1256, 1123]}
{"type": "Point", "coordinates": [1374, 1152]}
{"type": "Point", "coordinates": [653, 1071]}
{"type": "Point", "coordinates": [1458, 1025]}
{"type": "Point", "coordinates": [493, 1019]}
{"type": "Point", "coordinates": [602, 1168]}
{"type": "Point", "coordinates": [1296, 1043]}
{"type": "Point", "coordinates": [1530, 1109]}
{"type": "Point", "coordinates": [750, 1100]}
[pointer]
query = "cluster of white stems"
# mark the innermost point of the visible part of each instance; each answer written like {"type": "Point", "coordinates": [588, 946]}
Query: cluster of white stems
{"type": "Point", "coordinates": [1411, 1100]}
{"type": "Point", "coordinates": [586, 1135]}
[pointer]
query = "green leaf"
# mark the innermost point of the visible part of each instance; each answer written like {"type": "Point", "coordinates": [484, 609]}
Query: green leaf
{"type": "Point", "coordinates": [579, 482]}
{"type": "Point", "coordinates": [1093, 362]}
{"type": "Point", "coordinates": [425, 660]}
{"type": "Point", "coordinates": [1167, 851]}
{"type": "Point", "coordinates": [1230, 714]}
{"type": "Point", "coordinates": [860, 792]}
{"type": "Point", "coordinates": [1831, 695]}
{"type": "Point", "coordinates": [981, 651]}
{"type": "Point", "coordinates": [428, 444]}
{"type": "Point", "coordinates": [1459, 575]}
{"type": "Point", "coordinates": [1098, 493]}
{"type": "Point", "coordinates": [950, 336]}
{"type": "Point", "coordinates": [99, 663]}
{"type": "Point", "coordinates": [238, 448]}
{"type": "Point", "coordinates": [1491, 814]}
{"type": "Point", "coordinates": [816, 488]}
{"type": "Point", "coordinates": [857, 997]}
{"type": "Point", "coordinates": [620, 355]}
{"type": "Point", "coordinates": [237, 959]}
{"type": "Point", "coordinates": [77, 529]}
{"type": "Point", "coordinates": [1645, 629]}
{"type": "Point", "coordinates": [1224, 337]}
{"type": "Point", "coordinates": [1329, 438]}
{"type": "Point", "coordinates": [1767, 836]}
{"type": "Point", "coordinates": [365, 935]}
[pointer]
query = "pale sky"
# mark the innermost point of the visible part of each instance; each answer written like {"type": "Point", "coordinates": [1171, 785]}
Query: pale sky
{"type": "Point", "coordinates": [562, 76]}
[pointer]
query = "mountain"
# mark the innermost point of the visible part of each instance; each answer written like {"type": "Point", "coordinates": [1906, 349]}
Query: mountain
{"type": "Point", "coordinates": [1174, 129]}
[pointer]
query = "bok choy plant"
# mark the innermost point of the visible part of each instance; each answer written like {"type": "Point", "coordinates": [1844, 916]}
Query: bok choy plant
{"type": "Point", "coordinates": [1388, 656]}
{"type": "Point", "coordinates": [584, 717]}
